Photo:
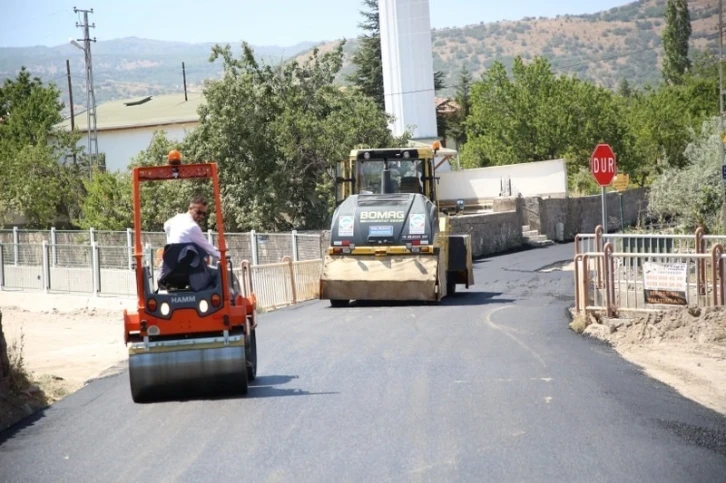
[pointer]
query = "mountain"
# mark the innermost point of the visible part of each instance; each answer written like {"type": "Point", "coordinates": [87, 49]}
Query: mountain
{"type": "Point", "coordinates": [623, 42]}
{"type": "Point", "coordinates": [129, 66]}
{"type": "Point", "coordinates": [605, 47]}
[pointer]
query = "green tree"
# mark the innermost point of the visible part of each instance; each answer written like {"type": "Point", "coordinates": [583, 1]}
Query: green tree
{"type": "Point", "coordinates": [462, 97]}
{"type": "Point", "coordinates": [676, 36]}
{"type": "Point", "coordinates": [661, 121]}
{"type": "Point", "coordinates": [28, 110]}
{"type": "Point", "coordinates": [107, 204]}
{"type": "Point", "coordinates": [276, 132]}
{"type": "Point", "coordinates": [535, 116]}
{"type": "Point", "coordinates": [37, 180]}
{"type": "Point", "coordinates": [368, 76]}
{"type": "Point", "coordinates": [692, 195]}
{"type": "Point", "coordinates": [624, 88]}
{"type": "Point", "coordinates": [160, 200]}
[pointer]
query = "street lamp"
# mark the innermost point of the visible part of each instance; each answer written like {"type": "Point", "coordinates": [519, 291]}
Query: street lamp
{"type": "Point", "coordinates": [75, 43]}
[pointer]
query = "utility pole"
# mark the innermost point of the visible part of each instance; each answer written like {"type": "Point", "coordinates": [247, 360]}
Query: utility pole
{"type": "Point", "coordinates": [721, 111]}
{"type": "Point", "coordinates": [90, 94]}
{"type": "Point", "coordinates": [184, 75]}
{"type": "Point", "coordinates": [73, 112]}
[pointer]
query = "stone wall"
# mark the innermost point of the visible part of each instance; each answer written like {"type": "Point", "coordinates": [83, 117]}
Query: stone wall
{"type": "Point", "coordinates": [583, 214]}
{"type": "Point", "coordinates": [490, 232]}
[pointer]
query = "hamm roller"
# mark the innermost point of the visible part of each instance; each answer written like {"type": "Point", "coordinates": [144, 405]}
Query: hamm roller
{"type": "Point", "coordinates": [187, 336]}
{"type": "Point", "coordinates": [389, 240]}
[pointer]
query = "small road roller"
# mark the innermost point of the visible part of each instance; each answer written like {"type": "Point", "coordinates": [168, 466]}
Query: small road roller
{"type": "Point", "coordinates": [186, 336]}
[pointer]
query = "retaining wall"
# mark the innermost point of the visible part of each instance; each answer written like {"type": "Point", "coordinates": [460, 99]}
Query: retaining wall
{"type": "Point", "coordinates": [583, 214]}
{"type": "Point", "coordinates": [490, 232]}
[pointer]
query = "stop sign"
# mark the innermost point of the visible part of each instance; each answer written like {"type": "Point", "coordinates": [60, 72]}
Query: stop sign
{"type": "Point", "coordinates": [602, 164]}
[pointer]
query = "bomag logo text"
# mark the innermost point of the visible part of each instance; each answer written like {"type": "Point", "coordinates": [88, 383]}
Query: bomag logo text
{"type": "Point", "coordinates": [382, 215]}
{"type": "Point", "coordinates": [183, 300]}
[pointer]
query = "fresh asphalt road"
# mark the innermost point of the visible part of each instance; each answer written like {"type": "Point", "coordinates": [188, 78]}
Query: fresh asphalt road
{"type": "Point", "coordinates": [490, 386]}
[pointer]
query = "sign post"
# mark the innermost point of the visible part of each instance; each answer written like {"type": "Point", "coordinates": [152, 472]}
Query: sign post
{"type": "Point", "coordinates": [603, 169]}
{"type": "Point", "coordinates": [620, 183]}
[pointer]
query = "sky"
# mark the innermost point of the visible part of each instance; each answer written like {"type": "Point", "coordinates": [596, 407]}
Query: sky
{"type": "Point", "coordinates": [259, 22]}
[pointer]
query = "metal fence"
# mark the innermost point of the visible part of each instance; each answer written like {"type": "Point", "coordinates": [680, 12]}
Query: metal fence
{"type": "Point", "coordinates": [116, 247]}
{"type": "Point", "coordinates": [644, 273]}
{"type": "Point", "coordinates": [698, 242]}
{"type": "Point", "coordinates": [282, 268]}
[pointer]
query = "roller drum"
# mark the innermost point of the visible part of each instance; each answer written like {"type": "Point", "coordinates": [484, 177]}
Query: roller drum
{"type": "Point", "coordinates": [186, 372]}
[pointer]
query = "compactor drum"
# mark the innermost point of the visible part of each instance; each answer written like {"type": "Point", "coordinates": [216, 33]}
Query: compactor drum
{"type": "Point", "coordinates": [196, 332]}
{"type": "Point", "coordinates": [388, 240]}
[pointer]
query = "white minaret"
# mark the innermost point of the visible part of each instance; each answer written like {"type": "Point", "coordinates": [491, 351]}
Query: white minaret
{"type": "Point", "coordinates": [408, 66]}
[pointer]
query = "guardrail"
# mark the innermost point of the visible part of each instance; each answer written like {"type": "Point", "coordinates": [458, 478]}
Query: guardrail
{"type": "Point", "coordinates": [83, 269]}
{"type": "Point", "coordinates": [626, 275]}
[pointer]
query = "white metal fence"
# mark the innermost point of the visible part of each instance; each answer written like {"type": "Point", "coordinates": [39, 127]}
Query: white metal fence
{"type": "Point", "coordinates": [282, 268]}
{"type": "Point", "coordinates": [116, 247]}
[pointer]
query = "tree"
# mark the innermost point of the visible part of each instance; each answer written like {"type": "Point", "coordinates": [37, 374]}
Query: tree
{"type": "Point", "coordinates": [36, 180]}
{"type": "Point", "coordinates": [368, 75]}
{"type": "Point", "coordinates": [276, 132]}
{"type": "Point", "coordinates": [693, 195]}
{"type": "Point", "coordinates": [536, 116]}
{"type": "Point", "coordinates": [28, 109]}
{"type": "Point", "coordinates": [624, 88]}
{"type": "Point", "coordinates": [676, 36]}
{"type": "Point", "coordinates": [107, 204]}
{"type": "Point", "coordinates": [457, 125]}
{"type": "Point", "coordinates": [160, 200]}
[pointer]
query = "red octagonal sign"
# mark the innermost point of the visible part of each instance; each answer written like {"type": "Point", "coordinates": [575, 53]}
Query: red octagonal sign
{"type": "Point", "coordinates": [602, 164]}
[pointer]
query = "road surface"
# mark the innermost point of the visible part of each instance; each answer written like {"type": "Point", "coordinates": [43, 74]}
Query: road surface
{"type": "Point", "coordinates": [491, 386]}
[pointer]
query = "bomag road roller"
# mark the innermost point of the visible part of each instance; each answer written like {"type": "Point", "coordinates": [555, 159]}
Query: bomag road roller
{"type": "Point", "coordinates": [193, 330]}
{"type": "Point", "coordinates": [388, 239]}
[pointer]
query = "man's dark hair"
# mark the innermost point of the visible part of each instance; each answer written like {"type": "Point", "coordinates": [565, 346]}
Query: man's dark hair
{"type": "Point", "coordinates": [198, 200]}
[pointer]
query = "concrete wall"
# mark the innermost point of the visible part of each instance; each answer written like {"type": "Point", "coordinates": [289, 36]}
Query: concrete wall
{"type": "Point", "coordinates": [542, 178]}
{"type": "Point", "coordinates": [490, 232]}
{"type": "Point", "coordinates": [582, 215]}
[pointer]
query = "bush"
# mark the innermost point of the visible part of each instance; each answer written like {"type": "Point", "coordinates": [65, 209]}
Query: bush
{"type": "Point", "coordinates": [693, 195]}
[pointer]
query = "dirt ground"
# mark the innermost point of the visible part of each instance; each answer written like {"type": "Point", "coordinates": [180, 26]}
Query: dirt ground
{"type": "Point", "coordinates": [64, 343]}
{"type": "Point", "coordinates": [684, 348]}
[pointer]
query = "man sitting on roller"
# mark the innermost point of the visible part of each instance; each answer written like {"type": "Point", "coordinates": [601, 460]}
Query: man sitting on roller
{"type": "Point", "coordinates": [184, 228]}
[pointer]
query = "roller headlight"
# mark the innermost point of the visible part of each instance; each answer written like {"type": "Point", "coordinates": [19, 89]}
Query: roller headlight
{"type": "Point", "coordinates": [203, 306]}
{"type": "Point", "coordinates": [165, 309]}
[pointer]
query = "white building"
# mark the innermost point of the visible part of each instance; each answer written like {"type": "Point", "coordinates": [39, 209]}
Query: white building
{"type": "Point", "coordinates": [126, 127]}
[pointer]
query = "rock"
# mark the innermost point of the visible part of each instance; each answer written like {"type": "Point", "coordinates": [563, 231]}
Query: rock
{"type": "Point", "coordinates": [614, 323]}
{"type": "Point", "coordinates": [600, 331]}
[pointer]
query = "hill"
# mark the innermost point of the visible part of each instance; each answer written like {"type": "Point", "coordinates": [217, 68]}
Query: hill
{"type": "Point", "coordinates": [623, 42]}
{"type": "Point", "coordinates": [128, 66]}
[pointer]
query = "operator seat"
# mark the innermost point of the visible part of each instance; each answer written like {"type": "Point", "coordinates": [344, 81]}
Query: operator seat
{"type": "Point", "coordinates": [410, 184]}
{"type": "Point", "coordinates": [183, 268]}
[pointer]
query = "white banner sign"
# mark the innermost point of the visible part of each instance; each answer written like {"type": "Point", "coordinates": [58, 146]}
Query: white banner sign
{"type": "Point", "coordinates": [665, 283]}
